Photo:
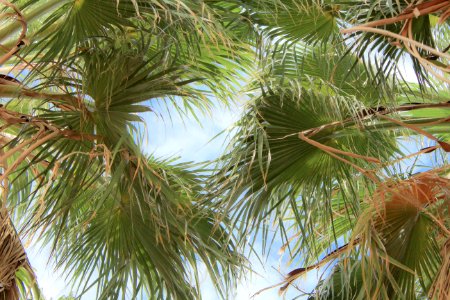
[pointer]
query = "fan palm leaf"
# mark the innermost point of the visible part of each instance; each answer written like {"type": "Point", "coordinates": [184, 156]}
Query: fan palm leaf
{"type": "Point", "coordinates": [275, 167]}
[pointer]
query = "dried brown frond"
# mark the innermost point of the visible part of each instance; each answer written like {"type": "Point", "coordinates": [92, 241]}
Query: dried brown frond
{"type": "Point", "coordinates": [441, 285]}
{"type": "Point", "coordinates": [415, 193]}
{"type": "Point", "coordinates": [419, 191]}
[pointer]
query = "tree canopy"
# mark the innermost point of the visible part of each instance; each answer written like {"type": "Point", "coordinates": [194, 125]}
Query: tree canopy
{"type": "Point", "coordinates": [336, 153]}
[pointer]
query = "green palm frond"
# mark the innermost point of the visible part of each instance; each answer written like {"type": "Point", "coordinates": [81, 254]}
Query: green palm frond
{"type": "Point", "coordinates": [270, 166]}
{"type": "Point", "coordinates": [292, 21]}
{"type": "Point", "coordinates": [318, 68]}
{"type": "Point", "coordinates": [345, 282]}
{"type": "Point", "coordinates": [73, 23]}
{"type": "Point", "coordinates": [331, 226]}
{"type": "Point", "coordinates": [143, 237]}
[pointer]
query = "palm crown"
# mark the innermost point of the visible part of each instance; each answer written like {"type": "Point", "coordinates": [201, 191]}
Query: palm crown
{"type": "Point", "coordinates": [317, 152]}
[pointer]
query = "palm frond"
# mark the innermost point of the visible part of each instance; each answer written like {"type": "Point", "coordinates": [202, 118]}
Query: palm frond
{"type": "Point", "coordinates": [292, 21]}
{"type": "Point", "coordinates": [270, 168]}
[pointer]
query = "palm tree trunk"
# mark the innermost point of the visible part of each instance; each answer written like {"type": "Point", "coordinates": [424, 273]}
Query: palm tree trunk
{"type": "Point", "coordinates": [12, 257]}
{"type": "Point", "coordinates": [12, 253]}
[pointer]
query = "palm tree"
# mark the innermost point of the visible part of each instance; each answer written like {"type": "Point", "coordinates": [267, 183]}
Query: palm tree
{"type": "Point", "coordinates": [321, 152]}
{"type": "Point", "coordinates": [76, 78]}
{"type": "Point", "coordinates": [318, 151]}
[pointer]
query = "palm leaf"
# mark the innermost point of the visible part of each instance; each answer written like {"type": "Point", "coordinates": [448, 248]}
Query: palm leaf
{"type": "Point", "coordinates": [270, 165]}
